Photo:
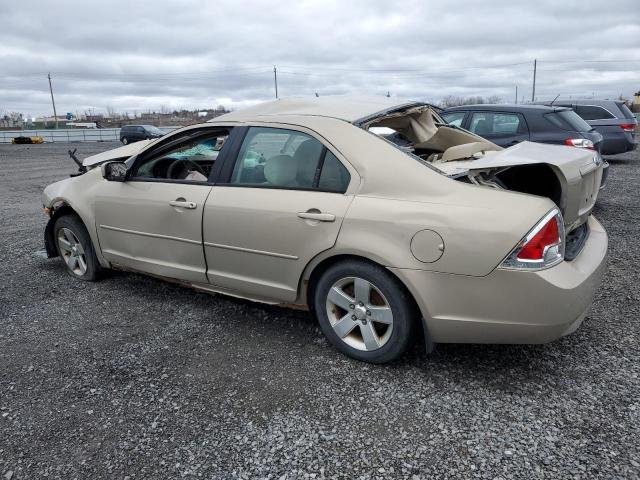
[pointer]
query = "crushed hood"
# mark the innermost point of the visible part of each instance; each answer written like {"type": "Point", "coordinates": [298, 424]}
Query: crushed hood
{"type": "Point", "coordinates": [120, 153]}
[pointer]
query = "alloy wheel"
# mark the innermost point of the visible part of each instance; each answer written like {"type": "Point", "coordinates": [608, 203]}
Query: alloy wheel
{"type": "Point", "coordinates": [72, 251]}
{"type": "Point", "coordinates": [359, 313]}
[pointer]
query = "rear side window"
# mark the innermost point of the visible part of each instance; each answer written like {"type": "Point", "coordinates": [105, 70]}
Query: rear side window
{"type": "Point", "coordinates": [334, 177]}
{"type": "Point", "coordinates": [280, 158]}
{"type": "Point", "coordinates": [488, 123]}
{"type": "Point", "coordinates": [453, 118]}
{"type": "Point", "coordinates": [593, 112]}
{"type": "Point", "coordinates": [568, 120]}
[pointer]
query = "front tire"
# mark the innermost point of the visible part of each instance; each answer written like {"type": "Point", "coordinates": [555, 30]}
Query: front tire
{"type": "Point", "coordinates": [75, 248]}
{"type": "Point", "coordinates": [365, 312]}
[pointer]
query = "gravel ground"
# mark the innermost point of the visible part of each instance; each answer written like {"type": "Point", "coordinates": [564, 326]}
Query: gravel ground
{"type": "Point", "coordinates": [135, 378]}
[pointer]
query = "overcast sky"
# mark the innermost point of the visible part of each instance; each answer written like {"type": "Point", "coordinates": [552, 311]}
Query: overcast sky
{"type": "Point", "coordinates": [136, 56]}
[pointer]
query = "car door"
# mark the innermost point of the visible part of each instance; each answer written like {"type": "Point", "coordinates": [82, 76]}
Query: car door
{"type": "Point", "coordinates": [152, 222]}
{"type": "Point", "coordinates": [140, 135]}
{"type": "Point", "coordinates": [278, 204]}
{"type": "Point", "coordinates": [502, 128]}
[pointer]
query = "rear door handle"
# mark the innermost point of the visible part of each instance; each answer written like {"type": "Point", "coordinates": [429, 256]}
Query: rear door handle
{"type": "Point", "coordinates": [321, 217]}
{"type": "Point", "coordinates": [183, 204]}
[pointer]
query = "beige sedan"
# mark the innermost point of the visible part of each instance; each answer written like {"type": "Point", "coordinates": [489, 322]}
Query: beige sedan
{"type": "Point", "coordinates": [383, 221]}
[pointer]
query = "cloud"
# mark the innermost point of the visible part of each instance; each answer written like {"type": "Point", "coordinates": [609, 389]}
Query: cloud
{"type": "Point", "coordinates": [141, 55]}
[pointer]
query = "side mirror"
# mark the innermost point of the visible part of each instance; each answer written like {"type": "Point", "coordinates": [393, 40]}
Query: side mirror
{"type": "Point", "coordinates": [114, 171]}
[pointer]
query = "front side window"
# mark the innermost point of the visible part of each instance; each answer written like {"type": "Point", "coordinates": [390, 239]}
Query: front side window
{"type": "Point", "coordinates": [280, 158]}
{"type": "Point", "coordinates": [191, 160]}
{"type": "Point", "coordinates": [453, 118]}
{"type": "Point", "coordinates": [592, 112]}
{"type": "Point", "coordinates": [489, 123]}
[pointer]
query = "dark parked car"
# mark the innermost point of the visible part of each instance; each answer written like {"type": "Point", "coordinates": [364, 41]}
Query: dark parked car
{"type": "Point", "coordinates": [135, 133]}
{"type": "Point", "coordinates": [506, 125]}
{"type": "Point", "coordinates": [611, 118]}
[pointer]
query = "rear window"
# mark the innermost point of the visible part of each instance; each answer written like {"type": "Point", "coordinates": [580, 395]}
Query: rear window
{"type": "Point", "coordinates": [625, 110]}
{"type": "Point", "coordinates": [568, 120]}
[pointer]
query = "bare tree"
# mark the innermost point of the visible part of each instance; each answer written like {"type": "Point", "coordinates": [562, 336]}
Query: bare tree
{"type": "Point", "coordinates": [454, 101]}
{"type": "Point", "coordinates": [111, 112]}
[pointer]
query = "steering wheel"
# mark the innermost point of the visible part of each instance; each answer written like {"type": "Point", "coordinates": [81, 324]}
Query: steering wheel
{"type": "Point", "coordinates": [184, 164]}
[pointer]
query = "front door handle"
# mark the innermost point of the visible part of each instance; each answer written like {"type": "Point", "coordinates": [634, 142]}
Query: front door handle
{"type": "Point", "coordinates": [321, 217]}
{"type": "Point", "coordinates": [183, 204]}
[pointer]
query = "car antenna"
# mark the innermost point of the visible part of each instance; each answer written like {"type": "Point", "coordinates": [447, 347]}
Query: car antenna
{"type": "Point", "coordinates": [551, 104]}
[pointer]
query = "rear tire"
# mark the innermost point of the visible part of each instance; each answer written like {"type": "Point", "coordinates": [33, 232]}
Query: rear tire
{"type": "Point", "coordinates": [75, 248]}
{"type": "Point", "coordinates": [365, 312]}
{"type": "Point", "coordinates": [124, 140]}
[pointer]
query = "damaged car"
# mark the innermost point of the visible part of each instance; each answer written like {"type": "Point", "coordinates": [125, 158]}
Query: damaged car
{"type": "Point", "coordinates": [431, 232]}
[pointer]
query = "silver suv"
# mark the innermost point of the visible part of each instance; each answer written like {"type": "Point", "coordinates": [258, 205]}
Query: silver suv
{"type": "Point", "coordinates": [611, 118]}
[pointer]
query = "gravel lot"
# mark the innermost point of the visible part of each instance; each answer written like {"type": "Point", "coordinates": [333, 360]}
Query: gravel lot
{"type": "Point", "coordinates": [134, 378]}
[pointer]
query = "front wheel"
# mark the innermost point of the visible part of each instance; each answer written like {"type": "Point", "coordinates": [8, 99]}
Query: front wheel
{"type": "Point", "coordinates": [75, 248]}
{"type": "Point", "coordinates": [365, 312]}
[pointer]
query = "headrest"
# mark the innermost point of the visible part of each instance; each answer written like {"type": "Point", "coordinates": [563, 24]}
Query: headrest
{"type": "Point", "coordinates": [280, 170]}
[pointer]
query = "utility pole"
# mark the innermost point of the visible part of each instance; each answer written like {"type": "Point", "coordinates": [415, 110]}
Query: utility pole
{"type": "Point", "coordinates": [275, 79]}
{"type": "Point", "coordinates": [533, 91]}
{"type": "Point", "coordinates": [55, 115]}
{"type": "Point", "coordinates": [516, 94]}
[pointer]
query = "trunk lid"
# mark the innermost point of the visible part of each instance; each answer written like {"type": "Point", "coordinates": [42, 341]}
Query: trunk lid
{"type": "Point", "coordinates": [579, 173]}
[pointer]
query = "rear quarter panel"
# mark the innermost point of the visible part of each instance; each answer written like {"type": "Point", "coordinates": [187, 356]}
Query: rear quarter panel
{"type": "Point", "coordinates": [478, 228]}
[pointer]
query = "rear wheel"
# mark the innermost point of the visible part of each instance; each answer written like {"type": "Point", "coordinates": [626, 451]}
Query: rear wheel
{"type": "Point", "coordinates": [75, 248]}
{"type": "Point", "coordinates": [125, 140]}
{"type": "Point", "coordinates": [365, 312]}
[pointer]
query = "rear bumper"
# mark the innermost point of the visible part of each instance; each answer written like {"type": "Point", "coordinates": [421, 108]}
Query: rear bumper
{"type": "Point", "coordinates": [613, 144]}
{"type": "Point", "coordinates": [510, 306]}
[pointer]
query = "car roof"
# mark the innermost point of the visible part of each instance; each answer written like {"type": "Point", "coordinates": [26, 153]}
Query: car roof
{"type": "Point", "coordinates": [349, 108]}
{"type": "Point", "coordinates": [508, 107]}
{"type": "Point", "coordinates": [588, 101]}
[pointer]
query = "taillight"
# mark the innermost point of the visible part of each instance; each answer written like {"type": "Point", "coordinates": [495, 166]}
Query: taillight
{"type": "Point", "coordinates": [579, 142]}
{"type": "Point", "coordinates": [628, 127]}
{"type": "Point", "coordinates": [543, 247]}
